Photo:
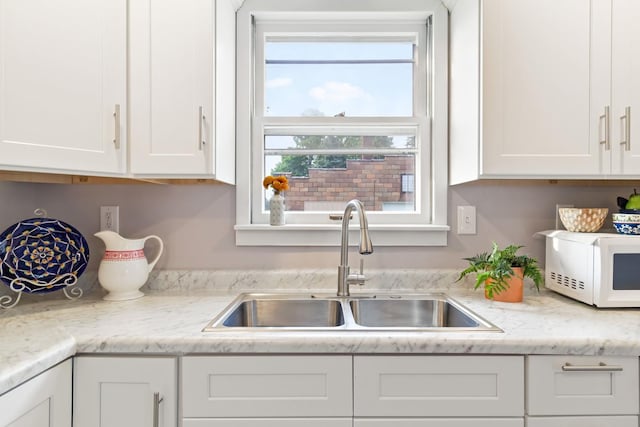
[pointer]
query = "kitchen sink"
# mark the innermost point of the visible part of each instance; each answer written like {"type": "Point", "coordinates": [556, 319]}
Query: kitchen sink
{"type": "Point", "coordinates": [411, 313]}
{"type": "Point", "coordinates": [362, 312]}
{"type": "Point", "coordinates": [267, 312]}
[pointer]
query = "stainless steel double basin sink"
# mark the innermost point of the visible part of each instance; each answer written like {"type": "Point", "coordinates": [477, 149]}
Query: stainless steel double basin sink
{"type": "Point", "coordinates": [385, 312]}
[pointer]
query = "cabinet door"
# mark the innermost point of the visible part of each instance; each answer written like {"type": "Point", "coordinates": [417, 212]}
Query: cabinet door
{"type": "Point", "coordinates": [625, 111]}
{"type": "Point", "coordinates": [438, 386]}
{"type": "Point", "coordinates": [44, 401]}
{"type": "Point", "coordinates": [125, 391]}
{"type": "Point", "coordinates": [610, 421]}
{"type": "Point", "coordinates": [182, 67]}
{"type": "Point", "coordinates": [63, 85]}
{"type": "Point", "coordinates": [440, 422]}
{"type": "Point", "coordinates": [542, 89]}
{"type": "Point", "coordinates": [172, 75]}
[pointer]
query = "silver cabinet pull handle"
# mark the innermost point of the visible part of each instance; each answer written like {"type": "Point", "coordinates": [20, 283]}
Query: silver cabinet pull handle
{"type": "Point", "coordinates": [201, 119]}
{"type": "Point", "coordinates": [605, 141]}
{"type": "Point", "coordinates": [625, 122]}
{"type": "Point", "coordinates": [116, 117]}
{"type": "Point", "coordinates": [600, 367]}
{"type": "Point", "coordinates": [156, 409]}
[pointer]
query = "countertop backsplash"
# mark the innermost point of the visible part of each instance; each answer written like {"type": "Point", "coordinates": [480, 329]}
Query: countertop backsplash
{"type": "Point", "coordinates": [298, 280]}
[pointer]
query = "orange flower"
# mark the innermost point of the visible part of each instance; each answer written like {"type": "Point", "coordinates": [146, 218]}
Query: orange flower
{"type": "Point", "coordinates": [267, 181]}
{"type": "Point", "coordinates": [278, 183]}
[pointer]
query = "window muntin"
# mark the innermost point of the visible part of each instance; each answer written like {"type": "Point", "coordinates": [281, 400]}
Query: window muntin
{"type": "Point", "coordinates": [405, 48]}
{"type": "Point", "coordinates": [281, 143]}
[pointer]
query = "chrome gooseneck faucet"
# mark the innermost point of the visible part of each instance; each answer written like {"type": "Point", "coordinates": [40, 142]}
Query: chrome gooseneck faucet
{"type": "Point", "coordinates": [344, 278]}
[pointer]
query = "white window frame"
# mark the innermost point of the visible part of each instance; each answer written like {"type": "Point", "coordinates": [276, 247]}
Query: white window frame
{"type": "Point", "coordinates": [425, 228]}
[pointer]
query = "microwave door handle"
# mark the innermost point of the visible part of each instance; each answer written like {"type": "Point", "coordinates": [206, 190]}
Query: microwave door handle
{"type": "Point", "coordinates": [600, 367]}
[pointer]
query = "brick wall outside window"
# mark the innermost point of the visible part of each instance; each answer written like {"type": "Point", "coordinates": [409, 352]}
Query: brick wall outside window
{"type": "Point", "coordinates": [373, 182]}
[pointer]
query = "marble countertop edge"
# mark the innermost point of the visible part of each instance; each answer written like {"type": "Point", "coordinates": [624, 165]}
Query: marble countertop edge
{"type": "Point", "coordinates": [32, 363]}
{"type": "Point", "coordinates": [169, 319]}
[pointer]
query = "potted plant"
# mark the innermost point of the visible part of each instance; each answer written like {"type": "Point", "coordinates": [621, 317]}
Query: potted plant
{"type": "Point", "coordinates": [502, 272]}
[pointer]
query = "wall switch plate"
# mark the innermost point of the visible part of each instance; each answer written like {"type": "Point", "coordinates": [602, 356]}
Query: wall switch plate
{"type": "Point", "coordinates": [466, 220]}
{"type": "Point", "coordinates": [559, 225]}
{"type": "Point", "coordinates": [110, 218]}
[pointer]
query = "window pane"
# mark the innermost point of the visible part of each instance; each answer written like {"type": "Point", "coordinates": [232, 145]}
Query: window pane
{"type": "Point", "coordinates": [338, 78]}
{"type": "Point", "coordinates": [328, 182]}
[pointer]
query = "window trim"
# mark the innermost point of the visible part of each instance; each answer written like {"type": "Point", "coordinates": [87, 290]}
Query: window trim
{"type": "Point", "coordinates": [435, 233]}
{"type": "Point", "coordinates": [413, 31]}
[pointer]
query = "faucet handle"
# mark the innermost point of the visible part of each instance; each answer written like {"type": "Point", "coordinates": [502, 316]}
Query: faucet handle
{"type": "Point", "coordinates": [357, 278]}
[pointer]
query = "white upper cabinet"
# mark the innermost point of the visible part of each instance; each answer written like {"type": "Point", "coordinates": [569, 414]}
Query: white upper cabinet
{"type": "Point", "coordinates": [537, 88]}
{"type": "Point", "coordinates": [63, 85]}
{"type": "Point", "coordinates": [182, 88]}
{"type": "Point", "coordinates": [625, 84]}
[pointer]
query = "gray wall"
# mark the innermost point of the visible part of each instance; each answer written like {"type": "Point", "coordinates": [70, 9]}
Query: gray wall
{"type": "Point", "coordinates": [196, 222]}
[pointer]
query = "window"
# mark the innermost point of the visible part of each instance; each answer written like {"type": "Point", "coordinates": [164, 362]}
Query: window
{"type": "Point", "coordinates": [347, 104]}
{"type": "Point", "coordinates": [407, 183]}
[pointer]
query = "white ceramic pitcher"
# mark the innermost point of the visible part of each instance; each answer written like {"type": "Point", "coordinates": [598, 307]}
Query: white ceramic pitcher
{"type": "Point", "coordinates": [124, 267]}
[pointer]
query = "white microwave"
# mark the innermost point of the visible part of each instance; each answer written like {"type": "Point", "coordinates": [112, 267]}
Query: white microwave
{"type": "Point", "coordinates": [600, 269]}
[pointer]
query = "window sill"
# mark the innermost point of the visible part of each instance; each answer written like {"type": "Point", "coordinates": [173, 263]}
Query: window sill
{"type": "Point", "coordinates": [330, 235]}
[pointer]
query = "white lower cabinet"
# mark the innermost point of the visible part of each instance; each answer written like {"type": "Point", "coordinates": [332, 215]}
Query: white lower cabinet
{"type": "Point", "coordinates": [331, 391]}
{"type": "Point", "coordinates": [44, 401]}
{"type": "Point", "coordinates": [608, 421]}
{"type": "Point", "coordinates": [439, 386]}
{"type": "Point", "coordinates": [267, 422]}
{"type": "Point", "coordinates": [380, 391]}
{"type": "Point", "coordinates": [441, 422]}
{"type": "Point", "coordinates": [125, 392]}
{"type": "Point", "coordinates": [266, 391]}
{"type": "Point", "coordinates": [585, 391]}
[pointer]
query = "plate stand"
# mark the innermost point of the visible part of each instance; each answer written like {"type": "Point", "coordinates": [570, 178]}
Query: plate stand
{"type": "Point", "coordinates": [18, 286]}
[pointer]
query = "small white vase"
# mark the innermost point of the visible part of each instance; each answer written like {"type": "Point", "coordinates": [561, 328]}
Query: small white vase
{"type": "Point", "coordinates": [276, 209]}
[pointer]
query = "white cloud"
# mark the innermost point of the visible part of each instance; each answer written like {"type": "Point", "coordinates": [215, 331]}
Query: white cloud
{"type": "Point", "coordinates": [338, 92]}
{"type": "Point", "coordinates": [279, 82]}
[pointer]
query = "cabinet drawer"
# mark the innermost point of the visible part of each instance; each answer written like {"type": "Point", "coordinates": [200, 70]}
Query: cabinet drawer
{"type": "Point", "coordinates": [268, 422]}
{"type": "Point", "coordinates": [552, 389]}
{"type": "Point", "coordinates": [611, 421]}
{"type": "Point", "coordinates": [435, 386]}
{"type": "Point", "coordinates": [440, 422]}
{"type": "Point", "coordinates": [267, 386]}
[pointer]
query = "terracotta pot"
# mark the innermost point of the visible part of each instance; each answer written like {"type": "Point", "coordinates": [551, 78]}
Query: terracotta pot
{"type": "Point", "coordinates": [514, 292]}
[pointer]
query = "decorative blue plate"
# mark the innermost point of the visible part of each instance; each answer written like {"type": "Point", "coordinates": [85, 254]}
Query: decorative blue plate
{"type": "Point", "coordinates": [39, 255]}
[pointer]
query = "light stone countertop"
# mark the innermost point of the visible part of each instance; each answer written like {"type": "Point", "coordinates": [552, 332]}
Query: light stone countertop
{"type": "Point", "coordinates": [39, 333]}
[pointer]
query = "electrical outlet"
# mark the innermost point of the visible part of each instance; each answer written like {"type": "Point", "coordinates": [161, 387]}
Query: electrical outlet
{"type": "Point", "coordinates": [559, 225]}
{"type": "Point", "coordinates": [110, 218]}
{"type": "Point", "coordinates": [466, 220]}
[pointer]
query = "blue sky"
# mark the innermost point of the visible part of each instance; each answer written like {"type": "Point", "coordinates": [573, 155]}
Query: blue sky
{"type": "Point", "coordinates": [356, 89]}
